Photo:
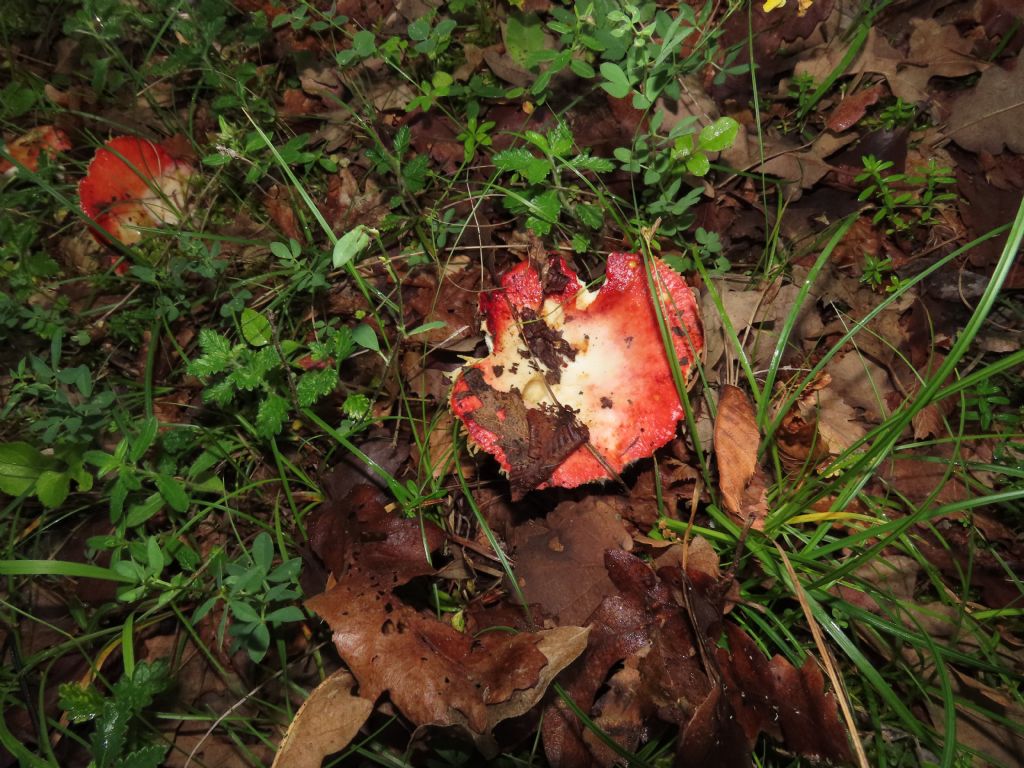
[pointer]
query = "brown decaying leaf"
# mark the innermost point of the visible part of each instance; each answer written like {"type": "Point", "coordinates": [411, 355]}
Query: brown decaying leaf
{"type": "Point", "coordinates": [325, 723]}
{"type": "Point", "coordinates": [806, 166]}
{"type": "Point", "coordinates": [670, 672]}
{"type": "Point", "coordinates": [433, 673]}
{"type": "Point", "coordinates": [572, 540]}
{"type": "Point", "coordinates": [359, 529]}
{"type": "Point", "coordinates": [852, 109]}
{"type": "Point", "coordinates": [992, 113]}
{"type": "Point", "coordinates": [995, 741]}
{"type": "Point", "coordinates": [346, 206]}
{"type": "Point", "coordinates": [819, 424]}
{"type": "Point", "coordinates": [452, 303]}
{"type": "Point", "coordinates": [935, 50]}
{"type": "Point", "coordinates": [736, 440]}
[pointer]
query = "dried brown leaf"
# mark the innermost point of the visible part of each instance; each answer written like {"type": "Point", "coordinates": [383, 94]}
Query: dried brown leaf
{"type": "Point", "coordinates": [851, 109]}
{"type": "Point", "coordinates": [996, 742]}
{"type": "Point", "coordinates": [572, 540]}
{"type": "Point", "coordinates": [736, 440]}
{"type": "Point", "coordinates": [434, 674]}
{"type": "Point", "coordinates": [325, 723]}
{"type": "Point", "coordinates": [991, 114]}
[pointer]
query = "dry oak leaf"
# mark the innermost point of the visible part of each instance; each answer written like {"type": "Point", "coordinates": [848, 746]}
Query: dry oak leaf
{"type": "Point", "coordinates": [992, 113]}
{"type": "Point", "coordinates": [434, 674]}
{"type": "Point", "coordinates": [575, 375]}
{"type": "Point", "coordinates": [325, 723]}
{"type": "Point", "coordinates": [935, 50]}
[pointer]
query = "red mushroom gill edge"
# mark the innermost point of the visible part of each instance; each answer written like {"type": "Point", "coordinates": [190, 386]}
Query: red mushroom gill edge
{"type": "Point", "coordinates": [578, 384]}
{"type": "Point", "coordinates": [133, 183]}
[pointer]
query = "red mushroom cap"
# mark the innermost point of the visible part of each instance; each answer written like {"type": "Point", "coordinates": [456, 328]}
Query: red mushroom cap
{"type": "Point", "coordinates": [132, 183]}
{"type": "Point", "coordinates": [27, 148]}
{"type": "Point", "coordinates": [571, 367]}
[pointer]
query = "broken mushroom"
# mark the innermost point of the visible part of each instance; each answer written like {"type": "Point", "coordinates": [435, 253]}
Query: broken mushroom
{"type": "Point", "coordinates": [133, 183]}
{"type": "Point", "coordinates": [579, 384]}
{"type": "Point", "coordinates": [27, 148]}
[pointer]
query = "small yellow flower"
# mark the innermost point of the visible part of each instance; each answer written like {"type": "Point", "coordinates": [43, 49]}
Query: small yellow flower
{"type": "Point", "coordinates": [802, 5]}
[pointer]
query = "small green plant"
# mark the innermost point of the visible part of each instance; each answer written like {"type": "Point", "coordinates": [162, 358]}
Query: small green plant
{"type": "Point", "coordinates": [541, 168]}
{"type": "Point", "coordinates": [801, 89]}
{"type": "Point", "coordinates": [990, 406]}
{"type": "Point", "coordinates": [256, 366]}
{"type": "Point", "coordinates": [476, 134]}
{"type": "Point", "coordinates": [877, 272]}
{"type": "Point", "coordinates": [898, 204]}
{"type": "Point", "coordinates": [896, 114]}
{"type": "Point", "coordinates": [117, 741]}
{"type": "Point", "coordinates": [666, 162]}
{"type": "Point", "coordinates": [257, 595]}
{"type": "Point", "coordinates": [636, 46]}
{"type": "Point", "coordinates": [706, 249]}
{"type": "Point", "coordinates": [250, 149]}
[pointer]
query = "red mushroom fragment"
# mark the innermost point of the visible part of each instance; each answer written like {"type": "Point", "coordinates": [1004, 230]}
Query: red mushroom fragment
{"type": "Point", "coordinates": [133, 183]}
{"type": "Point", "coordinates": [27, 148]}
{"type": "Point", "coordinates": [579, 384]}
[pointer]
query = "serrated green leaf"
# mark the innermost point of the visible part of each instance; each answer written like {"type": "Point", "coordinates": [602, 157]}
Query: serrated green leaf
{"type": "Point", "coordinates": [216, 354]}
{"type": "Point", "coordinates": [256, 328]}
{"type": "Point", "coordinates": [414, 173]}
{"type": "Point", "coordinates": [560, 139]}
{"type": "Point", "coordinates": [520, 160]}
{"type": "Point", "coordinates": [589, 215]}
{"type": "Point", "coordinates": [356, 406]}
{"type": "Point", "coordinates": [313, 385]}
{"type": "Point", "coordinates": [80, 704]}
{"type": "Point", "coordinates": [146, 757]}
{"type": "Point", "coordinates": [111, 729]}
{"type": "Point", "coordinates": [719, 135]}
{"type": "Point", "coordinates": [220, 393]}
{"type": "Point", "coordinates": [616, 83]}
{"type": "Point", "coordinates": [270, 417]}
{"type": "Point", "coordinates": [52, 488]}
{"type": "Point", "coordinates": [587, 163]}
{"type": "Point", "coordinates": [544, 210]}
